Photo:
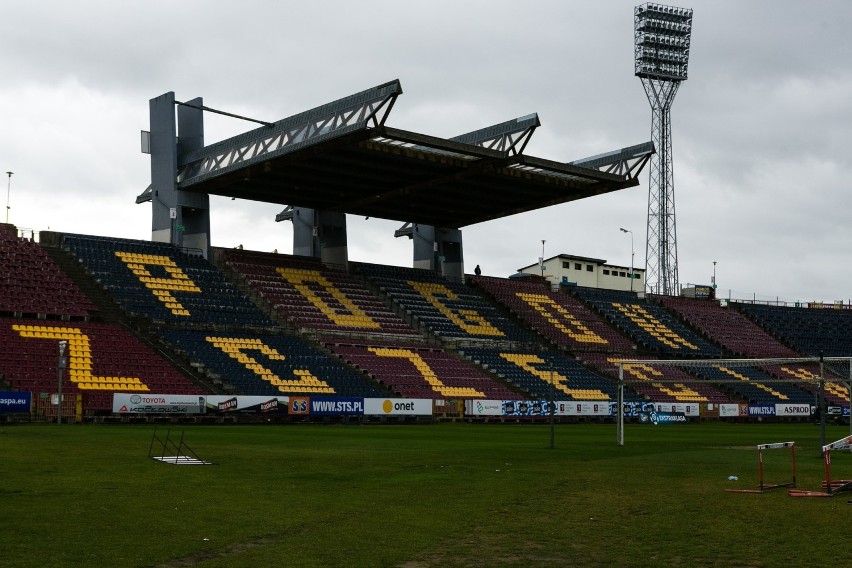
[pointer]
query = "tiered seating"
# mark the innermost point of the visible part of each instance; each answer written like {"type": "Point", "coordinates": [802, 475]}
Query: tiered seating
{"type": "Point", "coordinates": [32, 284]}
{"type": "Point", "coordinates": [559, 317]}
{"type": "Point", "coordinates": [415, 371]}
{"type": "Point", "coordinates": [102, 359]}
{"type": "Point", "coordinates": [659, 384]}
{"type": "Point", "coordinates": [533, 371]}
{"type": "Point", "coordinates": [651, 326]}
{"type": "Point", "coordinates": [755, 385]}
{"type": "Point", "coordinates": [727, 327]}
{"type": "Point", "coordinates": [809, 331]}
{"type": "Point", "coordinates": [261, 364]}
{"type": "Point", "coordinates": [836, 377]}
{"type": "Point", "coordinates": [162, 283]}
{"type": "Point", "coordinates": [311, 295]}
{"type": "Point", "coordinates": [447, 309]}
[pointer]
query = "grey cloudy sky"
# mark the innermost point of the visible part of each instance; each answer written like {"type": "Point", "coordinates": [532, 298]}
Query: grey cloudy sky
{"type": "Point", "coordinates": [761, 129]}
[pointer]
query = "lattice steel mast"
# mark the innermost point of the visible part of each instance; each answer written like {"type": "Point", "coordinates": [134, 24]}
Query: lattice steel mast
{"type": "Point", "coordinates": [662, 36]}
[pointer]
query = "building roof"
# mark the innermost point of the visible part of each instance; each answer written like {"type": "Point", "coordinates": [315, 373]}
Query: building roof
{"type": "Point", "coordinates": [343, 157]}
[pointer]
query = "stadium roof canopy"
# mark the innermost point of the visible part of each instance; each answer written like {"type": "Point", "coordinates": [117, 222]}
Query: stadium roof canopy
{"type": "Point", "coordinates": [343, 157]}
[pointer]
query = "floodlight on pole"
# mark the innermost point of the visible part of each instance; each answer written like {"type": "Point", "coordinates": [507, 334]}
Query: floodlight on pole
{"type": "Point", "coordinates": [8, 193]}
{"type": "Point", "coordinates": [623, 230]}
{"type": "Point", "coordinates": [541, 260]}
{"type": "Point", "coordinates": [662, 36]}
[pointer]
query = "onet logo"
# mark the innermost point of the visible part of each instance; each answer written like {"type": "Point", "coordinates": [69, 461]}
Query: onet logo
{"type": "Point", "coordinates": [389, 406]}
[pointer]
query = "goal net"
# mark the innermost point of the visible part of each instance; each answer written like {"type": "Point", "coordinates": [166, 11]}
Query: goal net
{"type": "Point", "coordinates": [792, 386]}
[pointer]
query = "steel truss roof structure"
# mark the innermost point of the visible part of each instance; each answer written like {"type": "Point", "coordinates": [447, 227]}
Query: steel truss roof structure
{"type": "Point", "coordinates": [343, 157]}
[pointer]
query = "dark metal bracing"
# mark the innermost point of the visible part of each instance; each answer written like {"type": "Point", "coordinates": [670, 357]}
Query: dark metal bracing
{"type": "Point", "coordinates": [342, 157]}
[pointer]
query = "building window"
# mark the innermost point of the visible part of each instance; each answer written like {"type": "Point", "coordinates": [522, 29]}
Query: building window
{"type": "Point", "coordinates": [578, 266]}
{"type": "Point", "coordinates": [566, 265]}
{"type": "Point", "coordinates": [637, 276]}
{"type": "Point", "coordinates": [589, 268]}
{"type": "Point", "coordinates": [623, 274]}
{"type": "Point", "coordinates": [606, 272]}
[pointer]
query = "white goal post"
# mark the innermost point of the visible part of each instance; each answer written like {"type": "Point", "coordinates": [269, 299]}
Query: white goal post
{"type": "Point", "coordinates": [845, 364]}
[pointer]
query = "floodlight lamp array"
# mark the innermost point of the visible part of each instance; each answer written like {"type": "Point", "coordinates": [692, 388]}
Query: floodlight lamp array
{"type": "Point", "coordinates": [662, 38]}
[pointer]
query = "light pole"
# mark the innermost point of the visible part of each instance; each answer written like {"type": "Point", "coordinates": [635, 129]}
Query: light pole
{"type": "Point", "coordinates": [552, 409]}
{"type": "Point", "coordinates": [541, 261]}
{"type": "Point", "coordinates": [713, 282]}
{"type": "Point", "coordinates": [60, 366]}
{"type": "Point", "coordinates": [662, 38]}
{"type": "Point", "coordinates": [8, 192]}
{"type": "Point", "coordinates": [623, 230]}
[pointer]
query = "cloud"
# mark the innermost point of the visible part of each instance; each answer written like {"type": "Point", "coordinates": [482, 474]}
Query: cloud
{"type": "Point", "coordinates": [760, 129]}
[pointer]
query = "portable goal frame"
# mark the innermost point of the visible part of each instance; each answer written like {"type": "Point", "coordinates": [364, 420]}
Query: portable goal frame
{"type": "Point", "coordinates": [732, 363]}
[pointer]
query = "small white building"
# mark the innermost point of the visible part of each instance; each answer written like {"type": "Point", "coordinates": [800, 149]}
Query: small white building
{"type": "Point", "coordinates": [570, 270]}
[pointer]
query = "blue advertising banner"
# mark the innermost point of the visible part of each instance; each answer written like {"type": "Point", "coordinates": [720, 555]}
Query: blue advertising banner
{"type": "Point", "coordinates": [337, 406]}
{"type": "Point", "coordinates": [657, 418]}
{"type": "Point", "coordinates": [526, 407]}
{"type": "Point", "coordinates": [15, 402]}
{"type": "Point", "coordinates": [761, 410]}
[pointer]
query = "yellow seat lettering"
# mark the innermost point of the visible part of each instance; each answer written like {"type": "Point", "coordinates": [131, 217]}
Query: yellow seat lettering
{"type": "Point", "coordinates": [653, 376]}
{"type": "Point", "coordinates": [427, 373]}
{"type": "Point", "coordinates": [532, 363]}
{"type": "Point", "coordinates": [837, 389]}
{"type": "Point", "coordinates": [238, 348]}
{"type": "Point", "coordinates": [469, 320]}
{"type": "Point", "coordinates": [745, 379]}
{"type": "Point", "coordinates": [638, 315]}
{"type": "Point", "coordinates": [162, 288]}
{"type": "Point", "coordinates": [353, 316]}
{"type": "Point", "coordinates": [79, 355]}
{"type": "Point", "coordinates": [560, 318]}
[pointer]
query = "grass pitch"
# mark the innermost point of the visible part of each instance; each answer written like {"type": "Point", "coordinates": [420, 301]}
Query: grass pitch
{"type": "Point", "coordinates": [417, 496]}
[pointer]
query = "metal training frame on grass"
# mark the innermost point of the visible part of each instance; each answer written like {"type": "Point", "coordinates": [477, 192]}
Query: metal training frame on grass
{"type": "Point", "coordinates": [762, 486]}
{"type": "Point", "coordinates": [183, 454]}
{"type": "Point", "coordinates": [830, 486]}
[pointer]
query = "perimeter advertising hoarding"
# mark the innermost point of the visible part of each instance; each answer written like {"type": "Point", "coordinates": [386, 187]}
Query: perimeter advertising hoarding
{"type": "Point", "coordinates": [588, 408]}
{"type": "Point", "coordinates": [535, 408]}
{"type": "Point", "coordinates": [792, 410]}
{"type": "Point", "coordinates": [337, 406]}
{"type": "Point", "coordinates": [732, 410]}
{"type": "Point", "coordinates": [526, 408]}
{"type": "Point", "coordinates": [483, 407]}
{"type": "Point", "coordinates": [15, 402]}
{"type": "Point", "coordinates": [123, 403]}
{"type": "Point", "coordinates": [637, 408]}
{"type": "Point", "coordinates": [398, 406]}
{"type": "Point", "coordinates": [760, 410]}
{"type": "Point", "coordinates": [264, 404]}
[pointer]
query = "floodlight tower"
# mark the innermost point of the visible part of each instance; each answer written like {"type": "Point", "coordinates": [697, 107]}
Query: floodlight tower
{"type": "Point", "coordinates": [662, 36]}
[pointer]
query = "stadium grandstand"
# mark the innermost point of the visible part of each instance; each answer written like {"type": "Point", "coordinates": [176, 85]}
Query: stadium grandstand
{"type": "Point", "coordinates": [176, 316]}
{"type": "Point", "coordinates": [143, 317]}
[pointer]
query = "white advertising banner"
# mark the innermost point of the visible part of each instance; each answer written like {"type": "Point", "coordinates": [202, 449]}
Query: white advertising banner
{"type": "Point", "coordinates": [584, 408]}
{"type": "Point", "coordinates": [729, 410]}
{"type": "Point", "coordinates": [483, 407]}
{"type": "Point", "coordinates": [792, 410]}
{"type": "Point", "coordinates": [689, 408]}
{"type": "Point", "coordinates": [398, 406]}
{"type": "Point", "coordinates": [123, 403]}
